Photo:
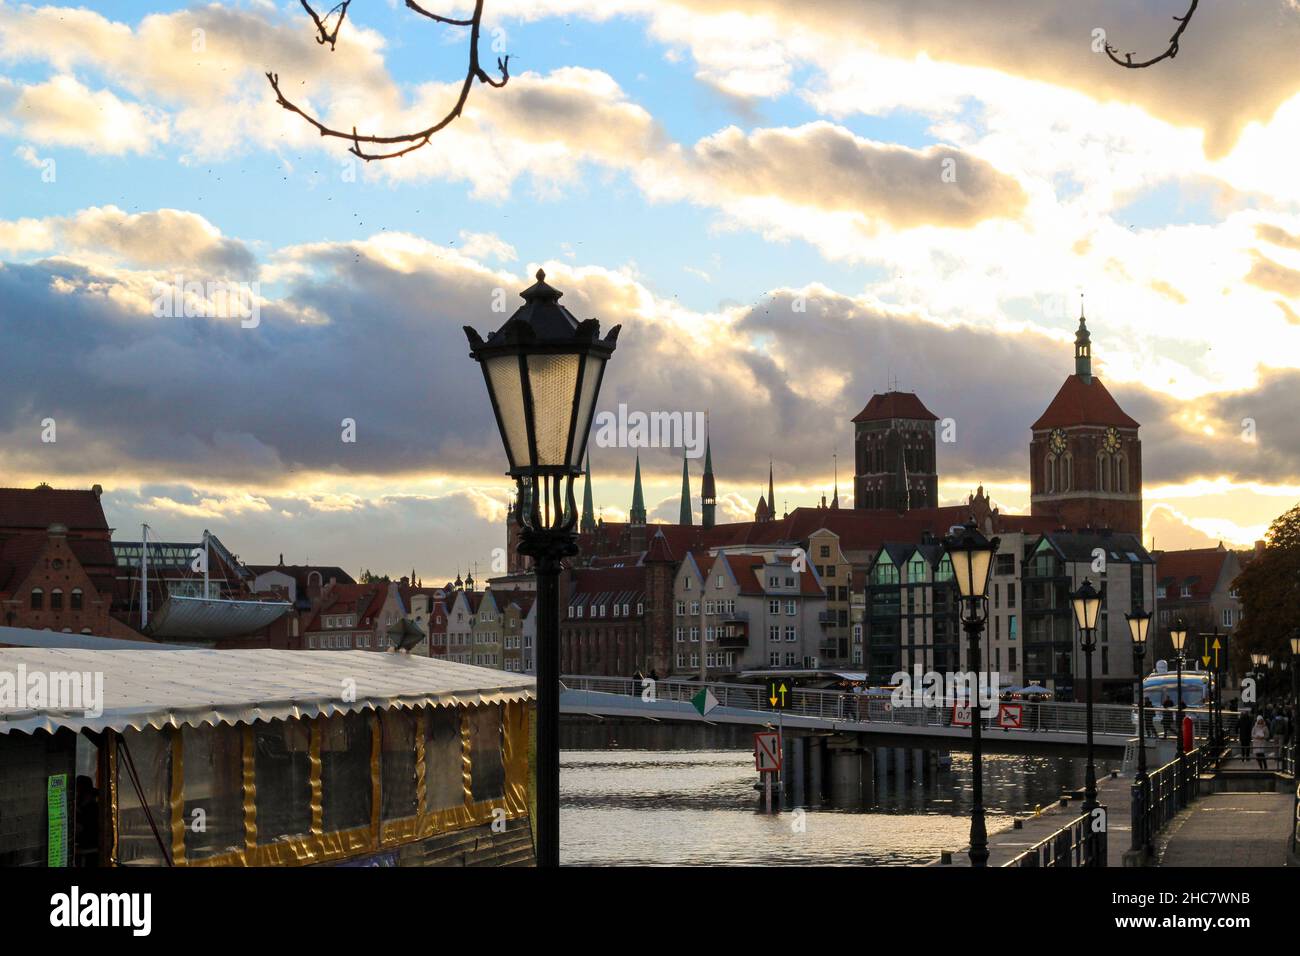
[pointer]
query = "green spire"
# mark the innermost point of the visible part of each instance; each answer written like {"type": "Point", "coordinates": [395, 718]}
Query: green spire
{"type": "Point", "coordinates": [1083, 349]}
{"type": "Point", "coordinates": [588, 512]}
{"type": "Point", "coordinates": [684, 517]}
{"type": "Point", "coordinates": [708, 489]}
{"type": "Point", "coordinates": [637, 514]}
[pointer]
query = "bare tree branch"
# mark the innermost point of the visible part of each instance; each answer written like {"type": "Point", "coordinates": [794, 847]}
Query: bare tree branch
{"type": "Point", "coordinates": [326, 36]}
{"type": "Point", "coordinates": [1169, 54]}
{"type": "Point", "coordinates": [418, 138]}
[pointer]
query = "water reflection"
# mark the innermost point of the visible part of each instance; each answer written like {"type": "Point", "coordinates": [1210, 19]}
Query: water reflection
{"type": "Point", "coordinates": [700, 807]}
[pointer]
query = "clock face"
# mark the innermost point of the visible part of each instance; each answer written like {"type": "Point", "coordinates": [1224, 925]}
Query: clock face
{"type": "Point", "coordinates": [1111, 441]}
{"type": "Point", "coordinates": [1056, 441]}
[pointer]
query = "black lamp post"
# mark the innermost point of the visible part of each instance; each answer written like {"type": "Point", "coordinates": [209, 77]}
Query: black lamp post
{"type": "Point", "coordinates": [972, 561]}
{"type": "Point", "coordinates": [543, 370]}
{"type": "Point", "coordinates": [1178, 637]}
{"type": "Point", "coordinates": [1087, 605]}
{"type": "Point", "coordinates": [1138, 623]}
{"type": "Point", "coordinates": [1295, 680]}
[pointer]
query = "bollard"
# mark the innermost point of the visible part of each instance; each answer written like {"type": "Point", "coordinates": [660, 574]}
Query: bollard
{"type": "Point", "coordinates": [945, 858]}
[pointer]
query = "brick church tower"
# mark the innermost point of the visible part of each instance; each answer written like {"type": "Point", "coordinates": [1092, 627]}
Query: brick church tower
{"type": "Point", "coordinates": [1085, 457]}
{"type": "Point", "coordinates": [894, 454]}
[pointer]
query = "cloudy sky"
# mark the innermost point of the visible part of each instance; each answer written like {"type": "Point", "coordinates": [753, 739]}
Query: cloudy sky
{"type": "Point", "coordinates": [787, 206]}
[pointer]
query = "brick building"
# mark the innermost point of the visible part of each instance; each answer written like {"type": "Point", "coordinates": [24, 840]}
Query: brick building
{"type": "Point", "coordinates": [1085, 457]}
{"type": "Point", "coordinates": [57, 569]}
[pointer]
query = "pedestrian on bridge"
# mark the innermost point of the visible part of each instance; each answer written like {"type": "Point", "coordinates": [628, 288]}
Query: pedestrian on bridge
{"type": "Point", "coordinates": [1244, 725]}
{"type": "Point", "coordinates": [1259, 737]}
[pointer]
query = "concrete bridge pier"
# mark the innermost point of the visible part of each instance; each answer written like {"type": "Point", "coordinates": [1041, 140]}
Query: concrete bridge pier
{"type": "Point", "coordinates": [798, 788]}
{"type": "Point", "coordinates": [852, 776]}
{"type": "Point", "coordinates": [816, 770]}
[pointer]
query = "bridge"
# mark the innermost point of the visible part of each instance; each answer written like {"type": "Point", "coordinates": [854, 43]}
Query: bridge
{"type": "Point", "coordinates": [1045, 727]}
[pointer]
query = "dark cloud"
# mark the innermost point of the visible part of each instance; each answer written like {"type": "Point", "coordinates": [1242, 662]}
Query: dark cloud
{"type": "Point", "coordinates": [210, 403]}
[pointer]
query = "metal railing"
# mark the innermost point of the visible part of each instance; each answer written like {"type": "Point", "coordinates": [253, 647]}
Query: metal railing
{"type": "Point", "coordinates": [1079, 843]}
{"type": "Point", "coordinates": [1114, 720]}
{"type": "Point", "coordinates": [1168, 789]}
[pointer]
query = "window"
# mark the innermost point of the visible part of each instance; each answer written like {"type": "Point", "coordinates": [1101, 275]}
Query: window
{"type": "Point", "coordinates": [774, 659]}
{"type": "Point", "coordinates": [282, 776]}
{"type": "Point", "coordinates": [774, 606]}
{"type": "Point", "coordinates": [681, 635]}
{"type": "Point", "coordinates": [695, 607]}
{"type": "Point", "coordinates": [695, 634]}
{"type": "Point", "coordinates": [487, 768]}
{"type": "Point", "coordinates": [789, 582]}
{"type": "Point", "coordinates": [640, 608]}
{"type": "Point", "coordinates": [791, 608]}
{"type": "Point", "coordinates": [313, 642]}
{"type": "Point", "coordinates": [1228, 617]}
{"type": "Point", "coordinates": [56, 600]}
{"type": "Point", "coordinates": [444, 780]}
{"type": "Point", "coordinates": [1011, 594]}
{"type": "Point", "coordinates": [718, 582]}
{"type": "Point", "coordinates": [625, 607]}
{"type": "Point", "coordinates": [681, 608]}
{"type": "Point", "coordinates": [774, 632]}
{"type": "Point", "coordinates": [397, 763]}
{"type": "Point", "coordinates": [1185, 592]}
{"type": "Point", "coordinates": [681, 660]}
{"type": "Point", "coordinates": [74, 599]}
{"type": "Point", "coordinates": [824, 551]}
{"type": "Point", "coordinates": [791, 634]}
{"type": "Point", "coordinates": [38, 599]}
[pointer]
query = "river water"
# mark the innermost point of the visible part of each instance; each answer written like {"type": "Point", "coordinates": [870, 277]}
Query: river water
{"type": "Point", "coordinates": [699, 807]}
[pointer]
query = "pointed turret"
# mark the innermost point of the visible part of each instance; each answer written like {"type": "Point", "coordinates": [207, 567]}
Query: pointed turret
{"type": "Point", "coordinates": [771, 494]}
{"type": "Point", "coordinates": [1083, 349]}
{"type": "Point", "coordinates": [684, 515]}
{"type": "Point", "coordinates": [588, 524]}
{"type": "Point", "coordinates": [637, 515]}
{"type": "Point", "coordinates": [708, 492]}
{"type": "Point", "coordinates": [835, 497]}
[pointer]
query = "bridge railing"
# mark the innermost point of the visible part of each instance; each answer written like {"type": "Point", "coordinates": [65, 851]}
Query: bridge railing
{"type": "Point", "coordinates": [1167, 790]}
{"type": "Point", "coordinates": [1078, 843]}
{"type": "Point", "coordinates": [836, 706]}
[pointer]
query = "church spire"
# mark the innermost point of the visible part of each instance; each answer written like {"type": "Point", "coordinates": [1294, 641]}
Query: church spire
{"type": "Point", "coordinates": [708, 491]}
{"type": "Point", "coordinates": [771, 494]}
{"type": "Point", "coordinates": [588, 512]}
{"type": "Point", "coordinates": [835, 498]}
{"type": "Point", "coordinates": [684, 516]}
{"type": "Point", "coordinates": [1083, 349]}
{"type": "Point", "coordinates": [637, 515]}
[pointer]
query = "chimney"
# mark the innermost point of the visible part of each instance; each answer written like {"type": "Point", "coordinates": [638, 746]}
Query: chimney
{"type": "Point", "coordinates": [97, 490]}
{"type": "Point", "coordinates": [1259, 548]}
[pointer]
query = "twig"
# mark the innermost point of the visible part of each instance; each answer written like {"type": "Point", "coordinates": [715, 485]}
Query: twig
{"type": "Point", "coordinates": [418, 138]}
{"type": "Point", "coordinates": [1169, 54]}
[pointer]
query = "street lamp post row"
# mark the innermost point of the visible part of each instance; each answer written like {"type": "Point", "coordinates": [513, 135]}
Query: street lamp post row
{"type": "Point", "coordinates": [543, 370]}
{"type": "Point", "coordinates": [1178, 638]}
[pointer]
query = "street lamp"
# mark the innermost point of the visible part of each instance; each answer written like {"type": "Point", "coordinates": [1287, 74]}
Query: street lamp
{"type": "Point", "coordinates": [1138, 623]}
{"type": "Point", "coordinates": [543, 370]}
{"type": "Point", "coordinates": [1087, 605]}
{"type": "Point", "coordinates": [971, 555]}
{"type": "Point", "coordinates": [1178, 637]}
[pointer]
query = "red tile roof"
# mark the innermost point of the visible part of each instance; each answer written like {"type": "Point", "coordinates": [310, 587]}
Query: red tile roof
{"type": "Point", "coordinates": [1083, 403]}
{"type": "Point", "coordinates": [364, 600]}
{"type": "Point", "coordinates": [43, 506]}
{"type": "Point", "coordinates": [895, 405]}
{"type": "Point", "coordinates": [1197, 568]}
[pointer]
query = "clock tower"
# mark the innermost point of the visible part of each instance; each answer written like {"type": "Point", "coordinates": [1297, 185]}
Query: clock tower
{"type": "Point", "coordinates": [1085, 456]}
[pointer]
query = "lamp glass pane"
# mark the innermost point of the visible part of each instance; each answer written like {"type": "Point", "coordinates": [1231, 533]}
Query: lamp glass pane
{"type": "Point", "coordinates": [1295, 646]}
{"type": "Point", "coordinates": [503, 377]}
{"type": "Point", "coordinates": [1177, 638]}
{"type": "Point", "coordinates": [961, 570]}
{"type": "Point", "coordinates": [553, 380]}
{"type": "Point", "coordinates": [981, 561]}
{"type": "Point", "coordinates": [1137, 627]}
{"type": "Point", "coordinates": [586, 406]}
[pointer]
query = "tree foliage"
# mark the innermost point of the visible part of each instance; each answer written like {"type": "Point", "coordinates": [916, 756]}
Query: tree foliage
{"type": "Point", "coordinates": [1269, 590]}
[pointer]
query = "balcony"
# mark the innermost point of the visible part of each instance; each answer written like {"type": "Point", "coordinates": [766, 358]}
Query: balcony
{"type": "Point", "coordinates": [742, 616]}
{"type": "Point", "coordinates": [737, 641]}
